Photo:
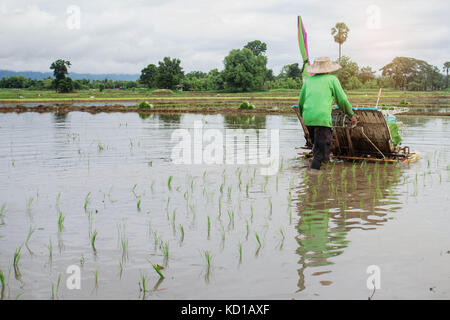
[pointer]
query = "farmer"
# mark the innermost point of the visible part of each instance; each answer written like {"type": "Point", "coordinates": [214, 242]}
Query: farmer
{"type": "Point", "coordinates": [315, 105]}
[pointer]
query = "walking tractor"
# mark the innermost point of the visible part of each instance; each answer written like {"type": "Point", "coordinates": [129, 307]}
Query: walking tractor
{"type": "Point", "coordinates": [375, 136]}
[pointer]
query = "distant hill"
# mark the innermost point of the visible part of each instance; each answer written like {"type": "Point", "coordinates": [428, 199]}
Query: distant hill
{"type": "Point", "coordinates": [73, 75]}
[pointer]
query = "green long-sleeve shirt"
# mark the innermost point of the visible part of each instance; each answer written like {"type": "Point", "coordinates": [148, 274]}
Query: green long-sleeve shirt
{"type": "Point", "coordinates": [316, 100]}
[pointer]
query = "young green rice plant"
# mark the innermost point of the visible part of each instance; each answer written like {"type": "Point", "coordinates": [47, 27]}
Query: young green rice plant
{"type": "Point", "coordinates": [93, 238]}
{"type": "Point", "coordinates": [143, 289]}
{"type": "Point", "coordinates": [220, 207]}
{"type": "Point", "coordinates": [240, 251]}
{"type": "Point", "coordinates": [247, 228]}
{"type": "Point", "coordinates": [169, 182]}
{"type": "Point", "coordinates": [87, 200]}
{"type": "Point", "coordinates": [258, 240]}
{"type": "Point", "coordinates": [2, 283]}
{"type": "Point", "coordinates": [270, 207]}
{"type": "Point", "coordinates": [223, 236]}
{"type": "Point", "coordinates": [208, 258]}
{"type": "Point", "coordinates": [182, 232]}
{"type": "Point", "coordinates": [56, 291]}
{"type": "Point", "coordinates": [29, 204]}
{"type": "Point", "coordinates": [246, 189]}
{"type": "Point", "coordinates": [58, 200]}
{"type": "Point", "coordinates": [157, 269]}
{"type": "Point", "coordinates": [209, 227]}
{"type": "Point", "coordinates": [283, 236]}
{"type": "Point", "coordinates": [231, 216]}
{"type": "Point", "coordinates": [90, 220]}
{"type": "Point", "coordinates": [2, 213]}
{"type": "Point", "coordinates": [16, 261]}
{"type": "Point", "coordinates": [138, 205]}
{"type": "Point", "coordinates": [152, 186]}
{"type": "Point", "coordinates": [229, 192]}
{"type": "Point", "coordinates": [61, 219]}
{"type": "Point", "coordinates": [251, 213]}
{"type": "Point", "coordinates": [165, 250]}
{"type": "Point", "coordinates": [50, 250]}
{"type": "Point", "coordinates": [30, 233]}
{"type": "Point", "coordinates": [96, 279]}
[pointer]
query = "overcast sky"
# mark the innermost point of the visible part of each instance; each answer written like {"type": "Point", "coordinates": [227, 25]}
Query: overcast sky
{"type": "Point", "coordinates": [124, 36]}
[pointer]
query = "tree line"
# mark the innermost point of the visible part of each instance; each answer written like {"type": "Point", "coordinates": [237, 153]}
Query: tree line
{"type": "Point", "coordinates": [246, 69]}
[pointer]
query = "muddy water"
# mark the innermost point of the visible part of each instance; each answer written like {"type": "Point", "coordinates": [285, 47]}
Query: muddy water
{"type": "Point", "coordinates": [109, 175]}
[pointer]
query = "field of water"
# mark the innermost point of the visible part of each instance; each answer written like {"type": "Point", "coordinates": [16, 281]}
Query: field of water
{"type": "Point", "coordinates": [101, 192]}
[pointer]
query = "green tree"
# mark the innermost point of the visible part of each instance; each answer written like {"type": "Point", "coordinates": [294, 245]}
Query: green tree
{"type": "Point", "coordinates": [290, 71]}
{"type": "Point", "coordinates": [446, 67]}
{"type": "Point", "coordinates": [340, 32]}
{"type": "Point", "coordinates": [60, 69]}
{"type": "Point", "coordinates": [349, 69]}
{"type": "Point", "coordinates": [257, 47]}
{"type": "Point", "coordinates": [170, 74]}
{"type": "Point", "coordinates": [366, 74]}
{"type": "Point", "coordinates": [412, 74]}
{"type": "Point", "coordinates": [64, 85]}
{"type": "Point", "coordinates": [243, 70]}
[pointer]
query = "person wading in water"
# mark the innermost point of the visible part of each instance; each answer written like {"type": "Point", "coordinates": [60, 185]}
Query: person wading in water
{"type": "Point", "coordinates": [315, 106]}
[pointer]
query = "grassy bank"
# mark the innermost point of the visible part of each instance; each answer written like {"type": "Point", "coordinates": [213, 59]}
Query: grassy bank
{"type": "Point", "coordinates": [272, 98]}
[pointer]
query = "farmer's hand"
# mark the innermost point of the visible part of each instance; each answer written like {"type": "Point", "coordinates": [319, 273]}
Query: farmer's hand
{"type": "Point", "coordinates": [353, 120]}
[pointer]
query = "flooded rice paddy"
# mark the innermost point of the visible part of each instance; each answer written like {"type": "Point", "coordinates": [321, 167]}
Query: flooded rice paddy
{"type": "Point", "coordinates": [101, 192]}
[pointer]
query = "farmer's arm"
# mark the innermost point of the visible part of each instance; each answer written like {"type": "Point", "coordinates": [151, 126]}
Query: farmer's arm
{"type": "Point", "coordinates": [341, 98]}
{"type": "Point", "coordinates": [301, 99]}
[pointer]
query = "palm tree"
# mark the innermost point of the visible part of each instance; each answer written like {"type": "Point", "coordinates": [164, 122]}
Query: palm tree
{"type": "Point", "coordinates": [446, 67]}
{"type": "Point", "coordinates": [340, 33]}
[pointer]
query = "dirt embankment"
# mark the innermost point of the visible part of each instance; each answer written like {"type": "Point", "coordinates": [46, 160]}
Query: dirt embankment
{"type": "Point", "coordinates": [156, 109]}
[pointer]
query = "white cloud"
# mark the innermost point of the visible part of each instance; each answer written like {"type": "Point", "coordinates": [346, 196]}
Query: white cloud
{"type": "Point", "coordinates": [124, 36]}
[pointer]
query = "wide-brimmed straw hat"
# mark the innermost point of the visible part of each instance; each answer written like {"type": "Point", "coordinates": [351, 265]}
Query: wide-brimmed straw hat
{"type": "Point", "coordinates": [323, 65]}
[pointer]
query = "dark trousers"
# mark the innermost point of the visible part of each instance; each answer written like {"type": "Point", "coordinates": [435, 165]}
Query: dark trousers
{"type": "Point", "coordinates": [321, 138]}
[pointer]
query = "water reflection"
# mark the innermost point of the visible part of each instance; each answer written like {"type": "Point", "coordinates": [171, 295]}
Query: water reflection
{"type": "Point", "coordinates": [245, 121]}
{"type": "Point", "coordinates": [342, 197]}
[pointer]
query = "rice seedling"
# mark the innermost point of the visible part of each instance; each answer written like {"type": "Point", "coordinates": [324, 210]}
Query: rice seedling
{"type": "Point", "coordinates": [96, 279]}
{"type": "Point", "coordinates": [29, 204]}
{"type": "Point", "coordinates": [165, 250]}
{"type": "Point", "coordinates": [90, 220]}
{"type": "Point", "coordinates": [246, 189]}
{"type": "Point", "coordinates": [270, 207]}
{"type": "Point", "coordinates": [152, 186]}
{"type": "Point", "coordinates": [247, 228]}
{"type": "Point", "coordinates": [120, 269]}
{"type": "Point", "coordinates": [157, 269]}
{"type": "Point", "coordinates": [93, 238]}
{"type": "Point", "coordinates": [229, 192]}
{"type": "Point", "coordinates": [208, 258]}
{"type": "Point", "coordinates": [16, 261]}
{"type": "Point", "coordinates": [209, 227]}
{"type": "Point", "coordinates": [240, 251]}
{"type": "Point", "coordinates": [174, 216]}
{"type": "Point", "coordinates": [123, 241]}
{"type": "Point", "coordinates": [55, 292]}
{"type": "Point", "coordinates": [2, 282]}
{"type": "Point", "coordinates": [61, 219]}
{"type": "Point", "coordinates": [169, 182]}
{"type": "Point", "coordinates": [2, 213]}
{"type": "Point", "coordinates": [50, 250]}
{"type": "Point", "coordinates": [182, 232]}
{"type": "Point", "coordinates": [251, 213]}
{"type": "Point", "coordinates": [223, 236]}
{"type": "Point", "coordinates": [138, 205]}
{"type": "Point", "coordinates": [30, 233]}
{"type": "Point", "coordinates": [231, 216]}
{"type": "Point", "coordinates": [86, 201]}
{"type": "Point", "coordinates": [258, 239]}
{"type": "Point", "coordinates": [283, 236]}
